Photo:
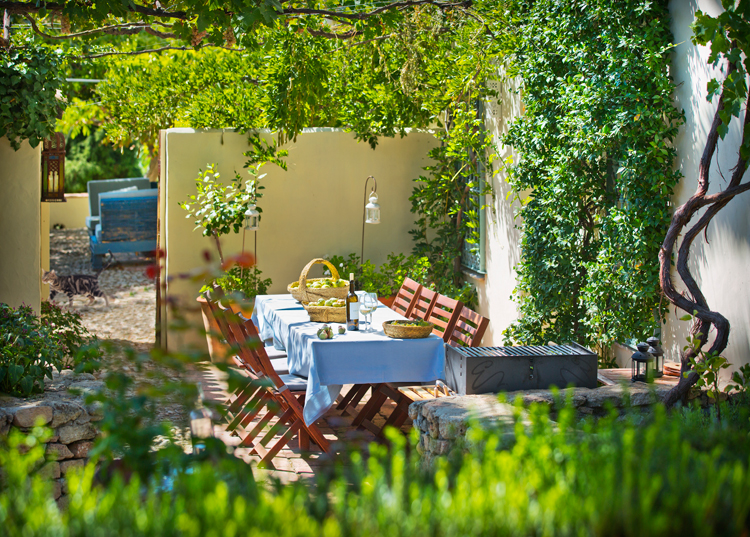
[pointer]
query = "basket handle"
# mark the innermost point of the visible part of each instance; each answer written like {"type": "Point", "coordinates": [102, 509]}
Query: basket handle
{"type": "Point", "coordinates": [303, 274]}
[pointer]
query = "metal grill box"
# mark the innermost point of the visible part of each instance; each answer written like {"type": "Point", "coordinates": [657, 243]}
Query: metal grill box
{"type": "Point", "coordinates": [471, 370]}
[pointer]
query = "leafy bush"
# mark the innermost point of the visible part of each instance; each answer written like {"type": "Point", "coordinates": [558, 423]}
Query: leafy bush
{"type": "Point", "coordinates": [31, 346]}
{"type": "Point", "coordinates": [660, 475]}
{"type": "Point", "coordinates": [89, 157]}
{"type": "Point", "coordinates": [30, 75]}
{"type": "Point", "coordinates": [247, 281]}
{"type": "Point", "coordinates": [385, 281]}
{"type": "Point", "coordinates": [597, 153]}
{"type": "Point", "coordinates": [67, 327]}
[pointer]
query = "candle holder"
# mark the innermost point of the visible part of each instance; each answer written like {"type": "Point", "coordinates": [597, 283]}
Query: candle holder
{"type": "Point", "coordinates": [643, 364]}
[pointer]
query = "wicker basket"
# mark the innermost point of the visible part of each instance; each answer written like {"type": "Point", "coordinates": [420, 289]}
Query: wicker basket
{"type": "Point", "coordinates": [406, 332]}
{"type": "Point", "coordinates": [303, 293]}
{"type": "Point", "coordinates": [325, 314]}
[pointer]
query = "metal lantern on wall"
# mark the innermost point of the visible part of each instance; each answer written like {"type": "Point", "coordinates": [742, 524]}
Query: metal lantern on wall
{"type": "Point", "coordinates": [658, 353]}
{"type": "Point", "coordinates": [642, 364]}
{"type": "Point", "coordinates": [53, 168]}
{"type": "Point", "coordinates": [252, 218]}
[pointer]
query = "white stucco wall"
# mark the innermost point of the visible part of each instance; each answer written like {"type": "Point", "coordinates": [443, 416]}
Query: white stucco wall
{"type": "Point", "coordinates": [502, 250]}
{"type": "Point", "coordinates": [721, 265]}
{"type": "Point", "coordinates": [20, 225]}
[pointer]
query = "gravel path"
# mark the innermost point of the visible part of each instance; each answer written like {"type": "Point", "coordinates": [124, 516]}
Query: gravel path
{"type": "Point", "coordinates": [131, 315]}
{"type": "Point", "coordinates": [129, 319]}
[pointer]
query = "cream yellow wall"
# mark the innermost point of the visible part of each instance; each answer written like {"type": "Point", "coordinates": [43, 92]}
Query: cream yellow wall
{"type": "Point", "coordinates": [20, 224]}
{"type": "Point", "coordinates": [71, 214]}
{"type": "Point", "coordinates": [312, 210]}
{"type": "Point", "coordinates": [721, 265]}
{"type": "Point", "coordinates": [44, 227]}
{"type": "Point", "coordinates": [502, 238]}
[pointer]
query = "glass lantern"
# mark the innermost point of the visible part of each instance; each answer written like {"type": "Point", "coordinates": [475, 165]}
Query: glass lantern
{"type": "Point", "coordinates": [201, 428]}
{"type": "Point", "coordinates": [252, 218]}
{"type": "Point", "coordinates": [53, 168]}
{"type": "Point", "coordinates": [372, 209]}
{"type": "Point", "coordinates": [642, 364]}
{"type": "Point", "coordinates": [658, 353]}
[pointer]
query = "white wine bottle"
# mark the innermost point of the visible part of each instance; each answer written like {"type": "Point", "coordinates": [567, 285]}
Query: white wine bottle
{"type": "Point", "coordinates": [352, 307]}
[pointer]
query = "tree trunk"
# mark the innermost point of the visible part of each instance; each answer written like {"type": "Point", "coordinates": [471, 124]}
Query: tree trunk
{"type": "Point", "coordinates": [218, 247]}
{"type": "Point", "coordinates": [693, 301]}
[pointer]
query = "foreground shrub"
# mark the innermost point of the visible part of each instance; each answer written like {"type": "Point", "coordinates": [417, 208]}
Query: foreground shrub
{"type": "Point", "coordinates": [32, 346]}
{"type": "Point", "coordinates": [672, 475]}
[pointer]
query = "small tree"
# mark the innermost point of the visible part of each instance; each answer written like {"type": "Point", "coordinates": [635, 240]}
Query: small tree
{"type": "Point", "coordinates": [729, 38]}
{"type": "Point", "coordinates": [218, 208]}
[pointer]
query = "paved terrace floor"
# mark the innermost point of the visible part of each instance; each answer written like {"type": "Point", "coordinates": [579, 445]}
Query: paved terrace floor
{"type": "Point", "coordinates": [291, 464]}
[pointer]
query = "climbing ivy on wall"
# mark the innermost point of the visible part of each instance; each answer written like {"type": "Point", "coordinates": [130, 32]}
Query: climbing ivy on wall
{"type": "Point", "coordinates": [29, 77]}
{"type": "Point", "coordinates": [597, 158]}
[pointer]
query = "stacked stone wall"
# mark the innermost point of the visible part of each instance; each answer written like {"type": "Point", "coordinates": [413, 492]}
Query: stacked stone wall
{"type": "Point", "coordinates": [62, 409]}
{"type": "Point", "coordinates": [442, 423]}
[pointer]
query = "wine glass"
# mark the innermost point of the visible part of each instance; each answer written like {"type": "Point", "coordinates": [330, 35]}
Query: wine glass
{"type": "Point", "coordinates": [369, 305]}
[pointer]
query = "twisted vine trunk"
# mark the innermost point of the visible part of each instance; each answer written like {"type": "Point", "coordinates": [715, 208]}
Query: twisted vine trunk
{"type": "Point", "coordinates": [693, 301]}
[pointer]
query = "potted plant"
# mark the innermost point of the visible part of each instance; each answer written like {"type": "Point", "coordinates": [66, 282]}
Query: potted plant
{"type": "Point", "coordinates": [219, 209]}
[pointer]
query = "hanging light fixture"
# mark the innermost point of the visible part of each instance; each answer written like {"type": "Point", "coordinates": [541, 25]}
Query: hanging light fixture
{"type": "Point", "coordinates": [370, 213]}
{"type": "Point", "coordinates": [372, 210]}
{"type": "Point", "coordinates": [53, 168]}
{"type": "Point", "coordinates": [252, 218]}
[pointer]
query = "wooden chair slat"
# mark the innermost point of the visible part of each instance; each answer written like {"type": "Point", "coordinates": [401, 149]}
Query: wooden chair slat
{"type": "Point", "coordinates": [469, 329]}
{"type": "Point", "coordinates": [406, 297]}
{"type": "Point", "coordinates": [283, 418]}
{"type": "Point", "coordinates": [444, 314]}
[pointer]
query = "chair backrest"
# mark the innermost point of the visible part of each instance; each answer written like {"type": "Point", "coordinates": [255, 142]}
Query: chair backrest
{"type": "Point", "coordinates": [469, 329]}
{"type": "Point", "coordinates": [406, 297]}
{"type": "Point", "coordinates": [128, 216]}
{"type": "Point", "coordinates": [444, 314]}
{"type": "Point", "coordinates": [423, 302]}
{"type": "Point", "coordinates": [94, 188]}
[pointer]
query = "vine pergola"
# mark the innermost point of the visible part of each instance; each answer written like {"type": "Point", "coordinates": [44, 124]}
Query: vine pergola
{"type": "Point", "coordinates": [415, 29]}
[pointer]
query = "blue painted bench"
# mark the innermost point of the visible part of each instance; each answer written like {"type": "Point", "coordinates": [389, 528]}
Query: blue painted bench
{"type": "Point", "coordinates": [127, 223]}
{"type": "Point", "coordinates": [94, 188]}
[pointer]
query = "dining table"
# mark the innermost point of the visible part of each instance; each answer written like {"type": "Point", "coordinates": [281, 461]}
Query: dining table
{"type": "Point", "coordinates": [366, 356]}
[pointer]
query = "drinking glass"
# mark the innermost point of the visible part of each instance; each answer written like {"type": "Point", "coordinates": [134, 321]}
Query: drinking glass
{"type": "Point", "coordinates": [369, 305]}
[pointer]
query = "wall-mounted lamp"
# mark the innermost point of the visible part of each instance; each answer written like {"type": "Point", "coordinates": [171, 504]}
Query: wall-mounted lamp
{"type": "Point", "coordinates": [53, 168]}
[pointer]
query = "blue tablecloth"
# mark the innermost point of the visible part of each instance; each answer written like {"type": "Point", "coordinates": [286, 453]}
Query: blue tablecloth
{"type": "Point", "coordinates": [352, 358]}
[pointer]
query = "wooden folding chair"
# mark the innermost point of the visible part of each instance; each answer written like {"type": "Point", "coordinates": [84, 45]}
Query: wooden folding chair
{"type": "Point", "coordinates": [251, 398]}
{"type": "Point", "coordinates": [278, 358]}
{"type": "Point", "coordinates": [443, 314]}
{"type": "Point", "coordinates": [406, 298]}
{"type": "Point", "coordinates": [469, 329]}
{"type": "Point", "coordinates": [291, 388]}
{"type": "Point", "coordinates": [423, 302]}
{"type": "Point", "coordinates": [281, 396]}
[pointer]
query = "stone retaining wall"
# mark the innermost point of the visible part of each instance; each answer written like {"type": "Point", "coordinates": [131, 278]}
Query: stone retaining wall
{"type": "Point", "coordinates": [442, 423]}
{"type": "Point", "coordinates": [71, 420]}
